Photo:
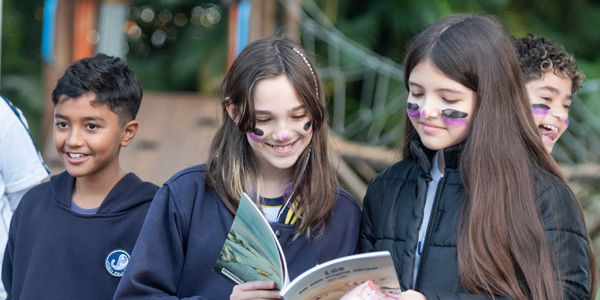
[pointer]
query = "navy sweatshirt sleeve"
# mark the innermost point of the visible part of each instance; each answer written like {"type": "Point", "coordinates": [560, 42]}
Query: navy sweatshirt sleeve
{"type": "Point", "coordinates": [158, 257]}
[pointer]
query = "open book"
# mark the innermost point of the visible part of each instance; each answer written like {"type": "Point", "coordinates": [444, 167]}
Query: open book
{"type": "Point", "coordinates": [252, 252]}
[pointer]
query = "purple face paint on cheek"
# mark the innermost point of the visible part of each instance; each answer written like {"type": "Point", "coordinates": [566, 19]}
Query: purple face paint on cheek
{"type": "Point", "coordinates": [254, 137]}
{"type": "Point", "coordinates": [412, 109]}
{"type": "Point", "coordinates": [423, 113]}
{"type": "Point", "coordinates": [567, 122]}
{"type": "Point", "coordinates": [539, 109]}
{"type": "Point", "coordinates": [455, 118]}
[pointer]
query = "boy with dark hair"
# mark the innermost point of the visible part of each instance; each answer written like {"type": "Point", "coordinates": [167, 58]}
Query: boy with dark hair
{"type": "Point", "coordinates": [551, 77]}
{"type": "Point", "coordinates": [70, 238]}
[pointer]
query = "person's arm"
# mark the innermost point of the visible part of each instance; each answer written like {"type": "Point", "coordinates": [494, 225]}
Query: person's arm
{"type": "Point", "coordinates": [566, 233]}
{"type": "Point", "coordinates": [15, 198]}
{"type": "Point", "coordinates": [7, 263]}
{"type": "Point", "coordinates": [366, 240]}
{"type": "Point", "coordinates": [21, 167]}
{"type": "Point", "coordinates": [347, 217]}
{"type": "Point", "coordinates": [157, 260]}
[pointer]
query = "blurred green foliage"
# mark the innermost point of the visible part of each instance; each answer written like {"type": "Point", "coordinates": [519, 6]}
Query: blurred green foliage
{"type": "Point", "coordinates": [193, 56]}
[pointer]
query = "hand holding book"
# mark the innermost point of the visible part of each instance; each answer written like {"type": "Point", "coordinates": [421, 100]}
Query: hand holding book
{"type": "Point", "coordinates": [252, 253]}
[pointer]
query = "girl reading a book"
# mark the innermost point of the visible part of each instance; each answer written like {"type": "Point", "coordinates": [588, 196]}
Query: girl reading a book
{"type": "Point", "coordinates": [477, 208]}
{"type": "Point", "coordinates": [272, 145]}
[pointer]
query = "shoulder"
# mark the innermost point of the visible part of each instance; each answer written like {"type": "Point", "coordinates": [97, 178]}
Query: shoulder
{"type": "Point", "coordinates": [35, 199]}
{"type": "Point", "coordinates": [558, 205]}
{"type": "Point", "coordinates": [141, 186]}
{"type": "Point", "coordinates": [192, 174]}
{"type": "Point", "coordinates": [392, 179]}
{"type": "Point", "coordinates": [344, 201]}
{"type": "Point", "coordinates": [189, 183]}
{"type": "Point", "coordinates": [402, 170]}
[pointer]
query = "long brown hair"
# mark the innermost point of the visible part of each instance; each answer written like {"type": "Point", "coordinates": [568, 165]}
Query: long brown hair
{"type": "Point", "coordinates": [502, 246]}
{"type": "Point", "coordinates": [232, 167]}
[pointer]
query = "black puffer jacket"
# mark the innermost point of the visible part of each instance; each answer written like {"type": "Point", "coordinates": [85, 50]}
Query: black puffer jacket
{"type": "Point", "coordinates": [393, 212]}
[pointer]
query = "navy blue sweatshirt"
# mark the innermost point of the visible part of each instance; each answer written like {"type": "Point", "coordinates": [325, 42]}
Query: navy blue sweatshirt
{"type": "Point", "coordinates": [186, 227]}
{"type": "Point", "coordinates": [56, 253]}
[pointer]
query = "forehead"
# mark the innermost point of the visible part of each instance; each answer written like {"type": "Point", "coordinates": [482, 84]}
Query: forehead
{"type": "Point", "coordinates": [426, 75]}
{"type": "Point", "coordinates": [551, 82]}
{"type": "Point", "coordinates": [83, 107]}
{"type": "Point", "coordinates": [276, 94]}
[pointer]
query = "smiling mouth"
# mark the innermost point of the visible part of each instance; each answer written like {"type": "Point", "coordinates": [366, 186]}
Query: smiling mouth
{"type": "Point", "coordinates": [282, 147]}
{"type": "Point", "coordinates": [76, 155]}
{"type": "Point", "coordinates": [549, 131]}
{"type": "Point", "coordinates": [549, 127]}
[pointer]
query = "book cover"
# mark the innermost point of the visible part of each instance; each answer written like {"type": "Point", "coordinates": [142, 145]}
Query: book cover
{"type": "Point", "coordinates": [252, 252]}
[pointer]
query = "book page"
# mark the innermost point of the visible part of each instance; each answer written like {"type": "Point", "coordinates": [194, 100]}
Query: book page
{"type": "Point", "coordinates": [335, 278]}
{"type": "Point", "coordinates": [251, 251]}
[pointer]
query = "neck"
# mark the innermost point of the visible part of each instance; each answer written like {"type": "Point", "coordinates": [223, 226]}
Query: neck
{"type": "Point", "coordinates": [90, 191]}
{"type": "Point", "coordinates": [273, 186]}
{"type": "Point", "coordinates": [441, 161]}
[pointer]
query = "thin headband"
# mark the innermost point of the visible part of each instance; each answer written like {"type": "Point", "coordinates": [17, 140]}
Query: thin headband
{"type": "Point", "coordinates": [310, 68]}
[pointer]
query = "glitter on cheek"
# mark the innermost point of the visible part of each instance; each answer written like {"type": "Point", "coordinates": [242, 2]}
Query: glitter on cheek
{"type": "Point", "coordinates": [539, 109]}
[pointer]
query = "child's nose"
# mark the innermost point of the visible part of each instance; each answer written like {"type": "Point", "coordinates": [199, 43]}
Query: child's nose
{"type": "Point", "coordinates": [559, 112]}
{"type": "Point", "coordinates": [283, 132]}
{"type": "Point", "coordinates": [75, 138]}
{"type": "Point", "coordinates": [430, 109]}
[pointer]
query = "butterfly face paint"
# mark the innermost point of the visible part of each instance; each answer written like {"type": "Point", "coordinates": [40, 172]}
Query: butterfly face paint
{"type": "Point", "coordinates": [454, 117]}
{"type": "Point", "coordinates": [412, 109]}
{"type": "Point", "coordinates": [539, 109]}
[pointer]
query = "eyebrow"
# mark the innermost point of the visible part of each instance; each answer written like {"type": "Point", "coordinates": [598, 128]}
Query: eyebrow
{"type": "Point", "coordinates": [264, 112]}
{"type": "Point", "coordinates": [552, 90]}
{"type": "Point", "coordinates": [92, 118]}
{"type": "Point", "coordinates": [448, 90]}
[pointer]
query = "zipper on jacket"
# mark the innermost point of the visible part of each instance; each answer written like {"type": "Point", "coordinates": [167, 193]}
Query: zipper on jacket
{"type": "Point", "coordinates": [432, 222]}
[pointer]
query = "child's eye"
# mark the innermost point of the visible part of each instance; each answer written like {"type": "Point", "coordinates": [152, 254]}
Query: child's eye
{"type": "Point", "coordinates": [566, 106]}
{"type": "Point", "coordinates": [92, 126]}
{"type": "Point", "coordinates": [546, 99]}
{"type": "Point", "coordinates": [262, 121]}
{"type": "Point", "coordinates": [299, 117]}
{"type": "Point", "coordinates": [450, 101]}
{"type": "Point", "coordinates": [416, 95]}
{"type": "Point", "coordinates": [62, 124]}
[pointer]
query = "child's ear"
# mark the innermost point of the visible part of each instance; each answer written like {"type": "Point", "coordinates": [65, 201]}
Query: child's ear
{"type": "Point", "coordinates": [231, 110]}
{"type": "Point", "coordinates": [129, 131]}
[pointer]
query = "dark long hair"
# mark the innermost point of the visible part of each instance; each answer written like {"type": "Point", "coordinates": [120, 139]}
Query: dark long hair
{"type": "Point", "coordinates": [232, 167]}
{"type": "Point", "coordinates": [502, 246]}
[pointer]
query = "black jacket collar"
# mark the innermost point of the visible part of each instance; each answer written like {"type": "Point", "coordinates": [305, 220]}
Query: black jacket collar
{"type": "Point", "coordinates": [423, 156]}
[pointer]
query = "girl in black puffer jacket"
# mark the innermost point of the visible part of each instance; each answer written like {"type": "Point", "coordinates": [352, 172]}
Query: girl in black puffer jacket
{"type": "Point", "coordinates": [477, 208]}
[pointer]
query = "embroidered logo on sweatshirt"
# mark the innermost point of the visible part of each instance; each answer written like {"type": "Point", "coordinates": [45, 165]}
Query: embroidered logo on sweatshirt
{"type": "Point", "coordinates": [116, 261]}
